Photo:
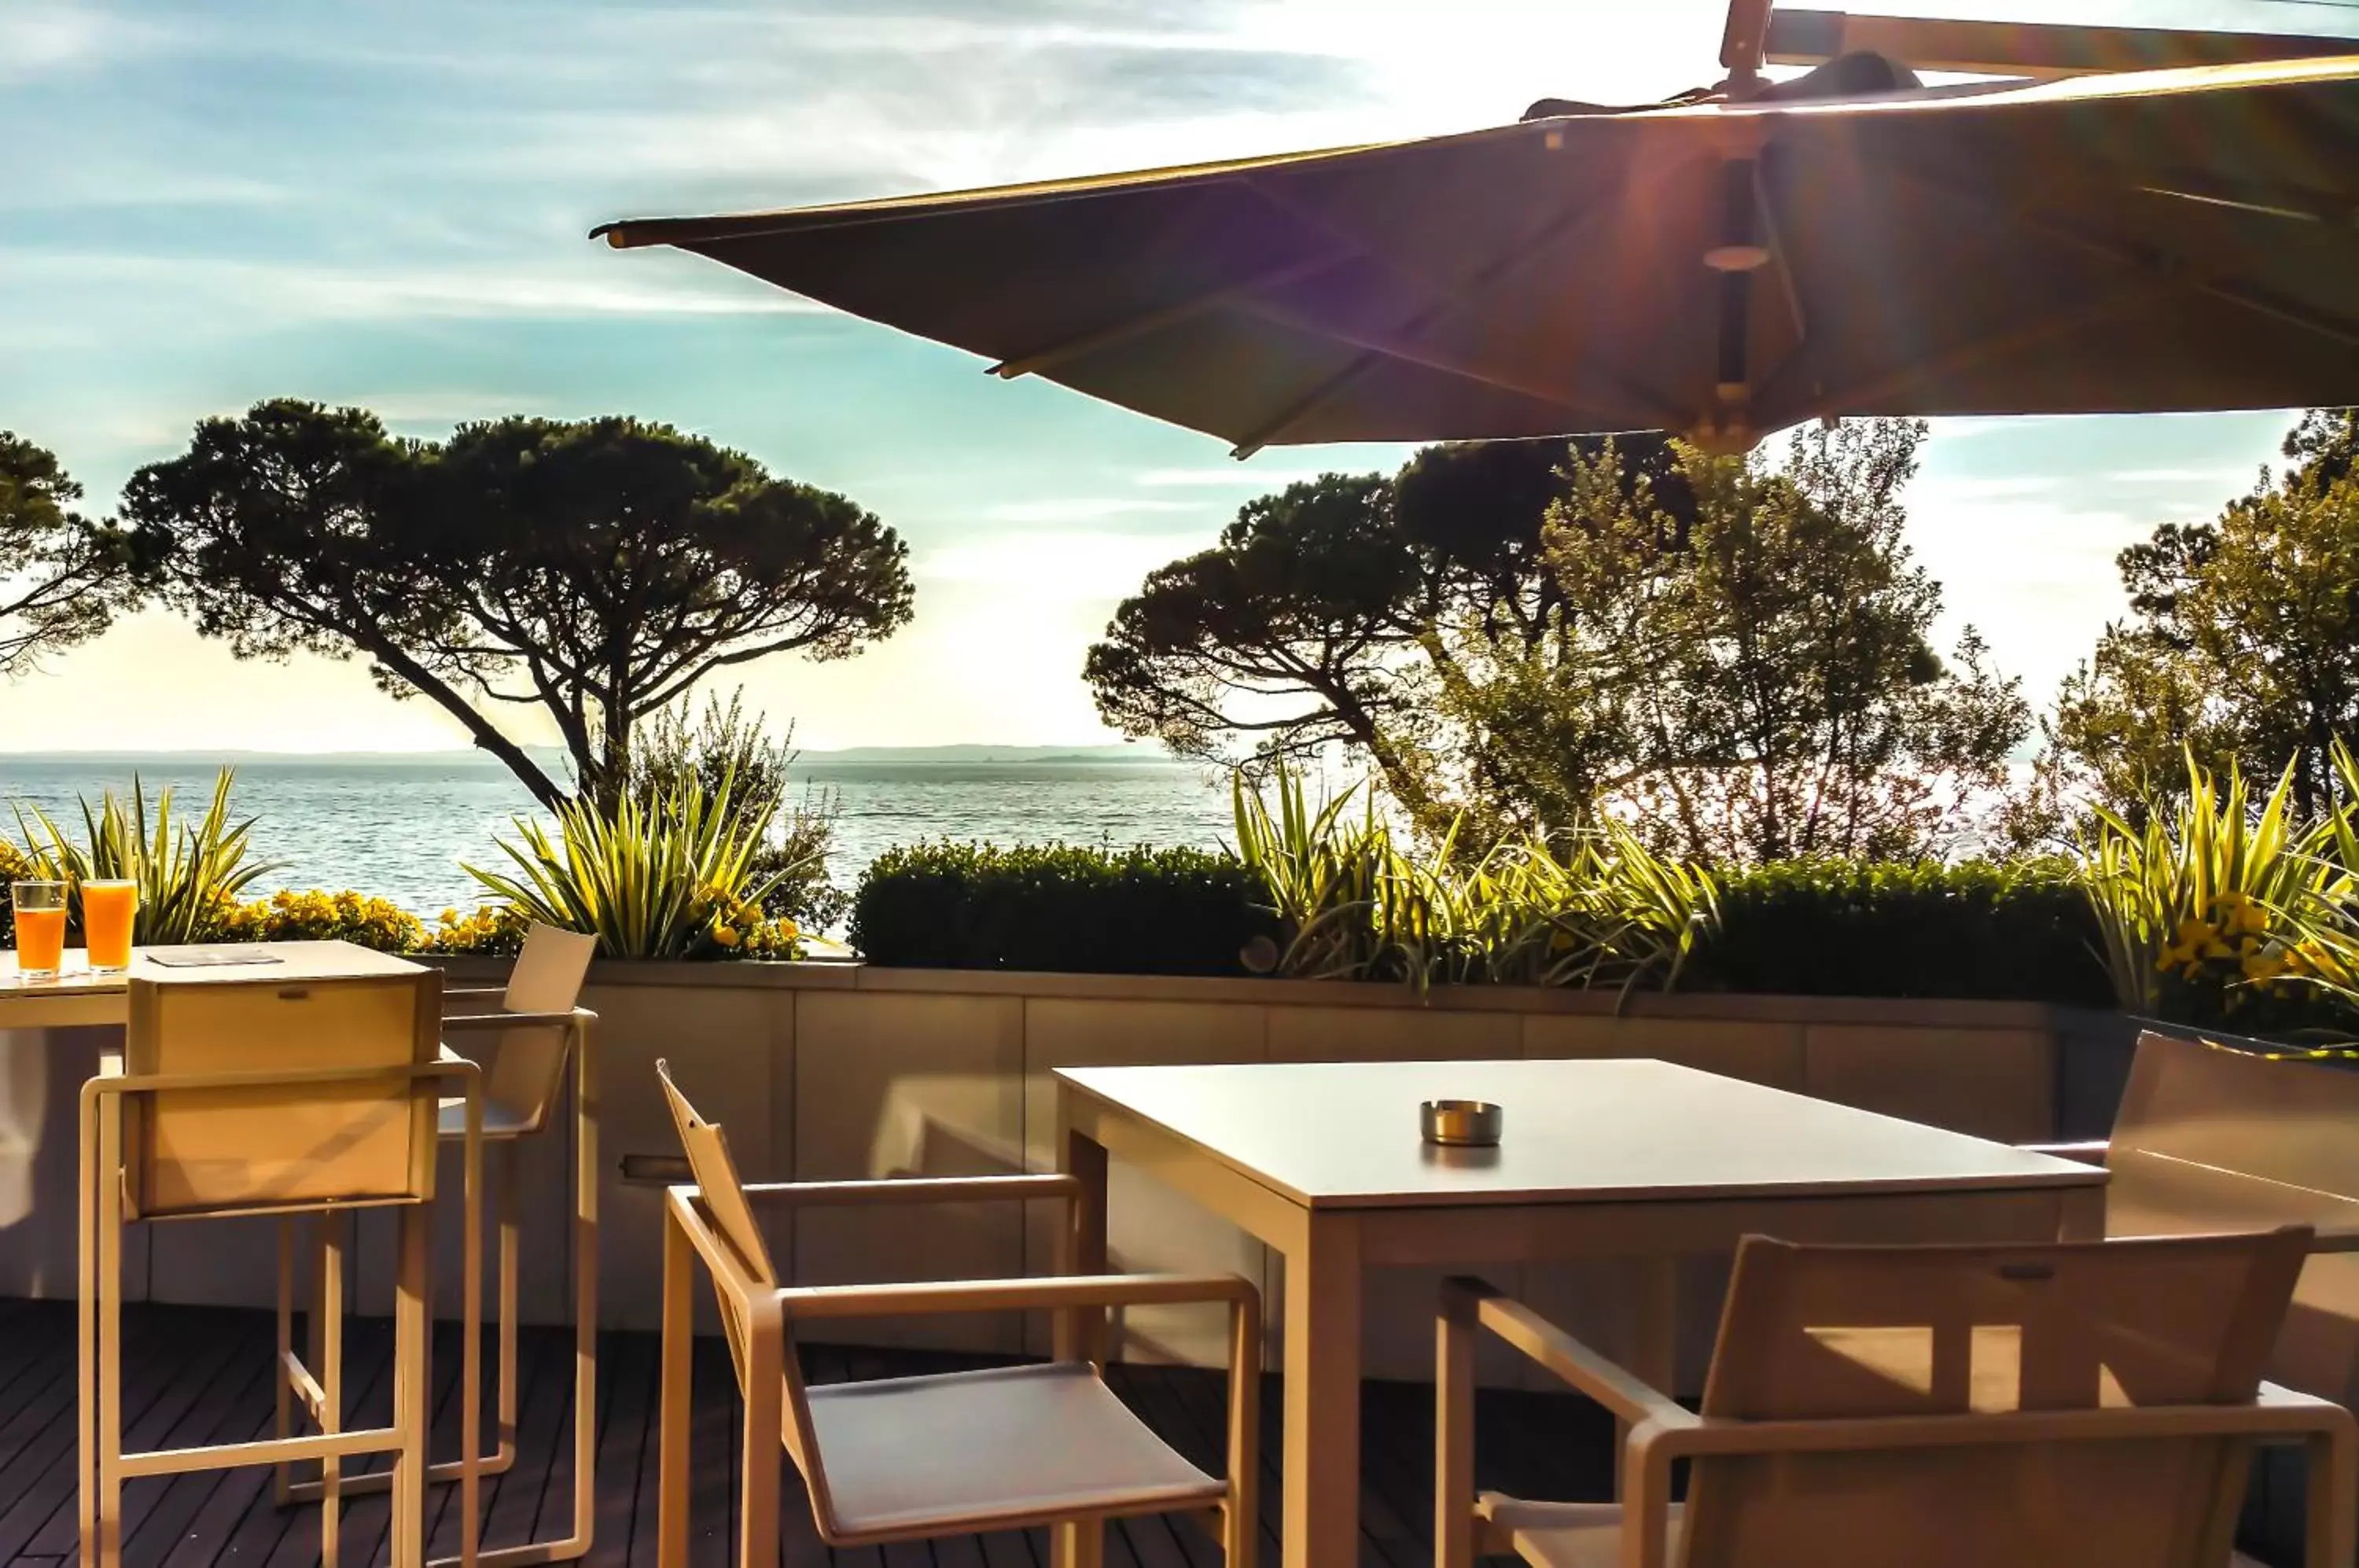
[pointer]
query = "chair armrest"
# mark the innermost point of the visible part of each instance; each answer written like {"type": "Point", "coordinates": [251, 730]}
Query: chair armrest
{"type": "Point", "coordinates": [936, 1296]}
{"type": "Point", "coordinates": [1628, 1396]}
{"type": "Point", "coordinates": [912, 1189]}
{"type": "Point", "coordinates": [2275, 1414]}
{"type": "Point", "coordinates": [462, 1021]}
{"type": "Point", "coordinates": [2088, 1151]}
{"type": "Point", "coordinates": [2334, 1241]}
{"type": "Point", "coordinates": [451, 991]}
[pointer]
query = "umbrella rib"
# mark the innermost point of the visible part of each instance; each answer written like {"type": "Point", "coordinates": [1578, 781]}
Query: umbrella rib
{"type": "Point", "coordinates": [2167, 266]}
{"type": "Point", "coordinates": [1164, 316]}
{"type": "Point", "coordinates": [1966, 356]}
{"type": "Point", "coordinates": [1562, 226]}
{"type": "Point", "coordinates": [1389, 346]}
{"type": "Point", "coordinates": [2310, 207]}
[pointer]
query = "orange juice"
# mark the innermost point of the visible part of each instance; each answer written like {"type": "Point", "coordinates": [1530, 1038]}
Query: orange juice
{"type": "Point", "coordinates": [40, 940]}
{"type": "Point", "coordinates": [106, 911]}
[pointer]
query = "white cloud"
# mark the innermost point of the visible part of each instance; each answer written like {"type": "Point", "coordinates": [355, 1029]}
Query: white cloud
{"type": "Point", "coordinates": [2231, 476]}
{"type": "Point", "coordinates": [37, 41]}
{"type": "Point", "coordinates": [1236, 477]}
{"type": "Point", "coordinates": [1950, 490]}
{"type": "Point", "coordinates": [1081, 509]}
{"type": "Point", "coordinates": [1056, 565]}
{"type": "Point", "coordinates": [265, 291]}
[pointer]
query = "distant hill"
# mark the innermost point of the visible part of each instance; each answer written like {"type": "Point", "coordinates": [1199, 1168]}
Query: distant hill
{"type": "Point", "coordinates": [1095, 755]}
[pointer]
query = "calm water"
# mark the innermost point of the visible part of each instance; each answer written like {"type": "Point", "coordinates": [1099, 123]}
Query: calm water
{"type": "Point", "coordinates": [400, 826]}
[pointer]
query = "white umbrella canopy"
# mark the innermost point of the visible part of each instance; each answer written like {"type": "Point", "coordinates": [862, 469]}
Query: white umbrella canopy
{"type": "Point", "coordinates": [1718, 267]}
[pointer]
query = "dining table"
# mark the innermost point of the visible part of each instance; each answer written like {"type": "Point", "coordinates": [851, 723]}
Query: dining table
{"type": "Point", "coordinates": [1624, 1159]}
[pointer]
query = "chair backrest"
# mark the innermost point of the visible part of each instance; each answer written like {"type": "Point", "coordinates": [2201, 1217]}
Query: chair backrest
{"type": "Point", "coordinates": [1823, 1332]}
{"type": "Point", "coordinates": [525, 1074]}
{"type": "Point", "coordinates": [298, 1144]}
{"type": "Point", "coordinates": [2209, 1139]}
{"type": "Point", "coordinates": [718, 1184]}
{"type": "Point", "coordinates": [732, 1219]}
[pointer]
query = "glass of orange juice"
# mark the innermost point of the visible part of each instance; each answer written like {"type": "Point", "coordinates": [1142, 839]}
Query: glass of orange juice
{"type": "Point", "coordinates": [106, 911]}
{"type": "Point", "coordinates": [40, 926]}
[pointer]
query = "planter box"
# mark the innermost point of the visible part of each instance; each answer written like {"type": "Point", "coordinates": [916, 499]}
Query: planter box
{"type": "Point", "coordinates": [836, 1070]}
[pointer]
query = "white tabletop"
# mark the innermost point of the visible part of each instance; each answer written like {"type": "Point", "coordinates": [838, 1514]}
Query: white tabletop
{"type": "Point", "coordinates": [1344, 1135]}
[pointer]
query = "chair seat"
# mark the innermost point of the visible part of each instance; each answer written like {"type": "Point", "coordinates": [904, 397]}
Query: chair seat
{"type": "Point", "coordinates": [499, 1121]}
{"type": "Point", "coordinates": [1568, 1535]}
{"type": "Point", "coordinates": [1007, 1446]}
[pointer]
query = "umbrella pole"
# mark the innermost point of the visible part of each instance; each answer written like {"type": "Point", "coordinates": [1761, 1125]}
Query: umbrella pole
{"type": "Point", "coordinates": [1742, 43]}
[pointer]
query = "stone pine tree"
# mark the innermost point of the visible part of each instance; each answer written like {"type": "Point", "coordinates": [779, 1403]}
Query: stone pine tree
{"type": "Point", "coordinates": [63, 578]}
{"type": "Point", "coordinates": [592, 572]}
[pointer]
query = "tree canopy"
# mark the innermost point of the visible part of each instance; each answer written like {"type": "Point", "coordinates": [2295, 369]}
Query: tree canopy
{"type": "Point", "coordinates": [1304, 626]}
{"type": "Point", "coordinates": [594, 570]}
{"type": "Point", "coordinates": [2242, 645]}
{"type": "Point", "coordinates": [1750, 678]}
{"type": "Point", "coordinates": [1737, 653]}
{"type": "Point", "coordinates": [62, 578]}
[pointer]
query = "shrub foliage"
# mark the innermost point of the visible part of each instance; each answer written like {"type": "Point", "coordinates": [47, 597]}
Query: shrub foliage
{"type": "Point", "coordinates": [1842, 927]}
{"type": "Point", "coordinates": [1059, 906]}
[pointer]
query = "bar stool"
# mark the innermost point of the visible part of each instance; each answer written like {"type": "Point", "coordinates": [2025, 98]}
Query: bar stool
{"type": "Point", "coordinates": [224, 1105]}
{"type": "Point", "coordinates": [535, 1028]}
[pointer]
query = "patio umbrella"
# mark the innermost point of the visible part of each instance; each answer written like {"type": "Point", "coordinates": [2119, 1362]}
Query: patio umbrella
{"type": "Point", "coordinates": [2152, 241]}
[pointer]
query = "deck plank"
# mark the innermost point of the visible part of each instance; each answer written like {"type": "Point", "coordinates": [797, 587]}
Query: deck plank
{"type": "Point", "coordinates": [202, 1374]}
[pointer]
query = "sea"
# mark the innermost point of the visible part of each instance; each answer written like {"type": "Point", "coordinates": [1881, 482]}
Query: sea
{"type": "Point", "coordinates": [406, 826]}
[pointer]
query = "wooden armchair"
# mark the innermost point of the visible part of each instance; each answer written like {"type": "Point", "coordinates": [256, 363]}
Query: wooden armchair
{"type": "Point", "coordinates": [909, 1458]}
{"type": "Point", "coordinates": [2209, 1139]}
{"type": "Point", "coordinates": [2034, 1406]}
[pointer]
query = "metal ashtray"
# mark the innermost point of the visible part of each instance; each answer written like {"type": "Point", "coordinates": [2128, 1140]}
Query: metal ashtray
{"type": "Point", "coordinates": [1461, 1124]}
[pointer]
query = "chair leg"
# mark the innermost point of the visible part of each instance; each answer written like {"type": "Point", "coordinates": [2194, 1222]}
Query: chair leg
{"type": "Point", "coordinates": [412, 1314]}
{"type": "Point", "coordinates": [329, 1310]}
{"type": "Point", "coordinates": [502, 1456]}
{"type": "Point", "coordinates": [282, 1421]}
{"type": "Point", "coordinates": [106, 1504]}
{"type": "Point", "coordinates": [86, 1298]}
{"type": "Point", "coordinates": [673, 1393]}
{"type": "Point", "coordinates": [569, 1548]}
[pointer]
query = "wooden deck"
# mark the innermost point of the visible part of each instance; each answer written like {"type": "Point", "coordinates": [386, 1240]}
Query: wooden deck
{"type": "Point", "coordinates": [203, 1375]}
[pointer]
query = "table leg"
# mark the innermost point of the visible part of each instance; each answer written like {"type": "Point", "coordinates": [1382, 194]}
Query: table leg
{"type": "Point", "coordinates": [1320, 1521]}
{"type": "Point", "coordinates": [1080, 1334]}
{"type": "Point", "coordinates": [1654, 1338]}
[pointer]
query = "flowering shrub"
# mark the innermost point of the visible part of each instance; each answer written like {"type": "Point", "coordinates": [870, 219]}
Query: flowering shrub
{"type": "Point", "coordinates": [2218, 909]}
{"type": "Point", "coordinates": [487, 930]}
{"type": "Point", "coordinates": [319, 915]}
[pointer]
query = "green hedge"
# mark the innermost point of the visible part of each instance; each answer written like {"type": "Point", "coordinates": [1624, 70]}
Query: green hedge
{"type": "Point", "coordinates": [1848, 928]}
{"type": "Point", "coordinates": [1055, 907]}
{"type": "Point", "coordinates": [1805, 928]}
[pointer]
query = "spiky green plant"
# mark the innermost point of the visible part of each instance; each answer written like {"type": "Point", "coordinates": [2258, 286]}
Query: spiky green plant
{"type": "Point", "coordinates": [669, 873]}
{"type": "Point", "coordinates": [189, 873]}
{"type": "Point", "coordinates": [2216, 907]}
{"type": "Point", "coordinates": [1595, 909]}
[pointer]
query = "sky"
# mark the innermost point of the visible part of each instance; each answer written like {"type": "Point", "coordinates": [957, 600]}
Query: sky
{"type": "Point", "coordinates": [385, 202]}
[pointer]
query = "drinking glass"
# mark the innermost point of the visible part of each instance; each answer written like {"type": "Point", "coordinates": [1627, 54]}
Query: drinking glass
{"type": "Point", "coordinates": [108, 908]}
{"type": "Point", "coordinates": [40, 926]}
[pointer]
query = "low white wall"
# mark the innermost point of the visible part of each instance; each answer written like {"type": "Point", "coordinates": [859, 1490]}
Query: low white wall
{"type": "Point", "coordinates": [833, 1071]}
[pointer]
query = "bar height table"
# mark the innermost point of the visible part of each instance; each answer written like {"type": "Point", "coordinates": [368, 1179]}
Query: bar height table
{"type": "Point", "coordinates": [1621, 1158]}
{"type": "Point", "coordinates": [76, 998]}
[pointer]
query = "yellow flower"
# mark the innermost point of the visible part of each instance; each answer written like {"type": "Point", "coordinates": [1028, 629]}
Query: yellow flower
{"type": "Point", "coordinates": [726, 935]}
